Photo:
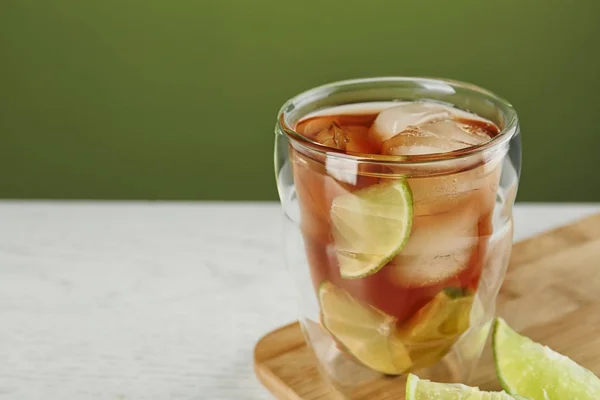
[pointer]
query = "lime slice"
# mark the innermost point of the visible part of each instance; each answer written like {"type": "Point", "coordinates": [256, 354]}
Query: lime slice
{"type": "Point", "coordinates": [365, 332]}
{"type": "Point", "coordinates": [537, 372]}
{"type": "Point", "coordinates": [430, 333]}
{"type": "Point", "coordinates": [371, 226]}
{"type": "Point", "coordinates": [444, 317]}
{"type": "Point", "coordinates": [422, 389]}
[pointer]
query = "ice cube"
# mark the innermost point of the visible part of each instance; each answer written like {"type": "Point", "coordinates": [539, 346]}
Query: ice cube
{"type": "Point", "coordinates": [394, 120]}
{"type": "Point", "coordinates": [421, 120]}
{"type": "Point", "coordinates": [414, 140]}
{"type": "Point", "coordinates": [440, 247]}
{"type": "Point", "coordinates": [440, 194]}
{"type": "Point", "coordinates": [312, 126]}
{"type": "Point", "coordinates": [460, 133]}
{"type": "Point", "coordinates": [333, 136]}
{"type": "Point", "coordinates": [438, 136]}
{"type": "Point", "coordinates": [352, 138]}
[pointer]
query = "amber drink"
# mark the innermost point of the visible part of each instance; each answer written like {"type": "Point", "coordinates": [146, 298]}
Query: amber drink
{"type": "Point", "coordinates": [398, 195]}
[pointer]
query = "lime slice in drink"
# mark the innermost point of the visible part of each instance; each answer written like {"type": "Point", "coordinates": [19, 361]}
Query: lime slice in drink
{"type": "Point", "coordinates": [365, 332]}
{"type": "Point", "coordinates": [422, 389]}
{"type": "Point", "coordinates": [444, 317]}
{"type": "Point", "coordinates": [371, 226]}
{"type": "Point", "coordinates": [430, 333]}
{"type": "Point", "coordinates": [537, 372]}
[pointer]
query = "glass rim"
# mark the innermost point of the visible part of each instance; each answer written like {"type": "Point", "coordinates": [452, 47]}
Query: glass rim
{"type": "Point", "coordinates": [506, 133]}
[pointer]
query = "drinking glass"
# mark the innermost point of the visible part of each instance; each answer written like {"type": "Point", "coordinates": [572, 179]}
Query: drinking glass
{"type": "Point", "coordinates": [419, 313]}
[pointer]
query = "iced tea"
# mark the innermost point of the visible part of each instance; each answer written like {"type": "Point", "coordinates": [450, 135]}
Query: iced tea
{"type": "Point", "coordinates": [395, 257]}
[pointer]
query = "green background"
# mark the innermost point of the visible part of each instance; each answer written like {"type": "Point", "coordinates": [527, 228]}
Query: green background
{"type": "Point", "coordinates": [156, 99]}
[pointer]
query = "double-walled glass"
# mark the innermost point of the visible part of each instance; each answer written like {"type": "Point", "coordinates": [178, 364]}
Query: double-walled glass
{"type": "Point", "coordinates": [429, 309]}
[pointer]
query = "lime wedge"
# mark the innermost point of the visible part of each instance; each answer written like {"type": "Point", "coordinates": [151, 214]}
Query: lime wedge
{"type": "Point", "coordinates": [430, 333]}
{"type": "Point", "coordinates": [365, 332]}
{"type": "Point", "coordinates": [371, 226]}
{"type": "Point", "coordinates": [444, 317]}
{"type": "Point", "coordinates": [422, 389]}
{"type": "Point", "coordinates": [537, 372]}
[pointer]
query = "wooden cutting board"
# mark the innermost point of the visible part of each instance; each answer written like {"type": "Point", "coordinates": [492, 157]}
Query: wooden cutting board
{"type": "Point", "coordinates": [551, 294]}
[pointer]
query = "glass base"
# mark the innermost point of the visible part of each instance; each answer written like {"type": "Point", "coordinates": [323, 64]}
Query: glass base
{"type": "Point", "coordinates": [351, 380]}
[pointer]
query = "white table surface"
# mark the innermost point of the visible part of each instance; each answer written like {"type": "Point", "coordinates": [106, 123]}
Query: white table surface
{"type": "Point", "coordinates": [150, 301]}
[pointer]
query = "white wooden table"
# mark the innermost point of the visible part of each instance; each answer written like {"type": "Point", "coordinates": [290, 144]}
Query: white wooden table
{"type": "Point", "coordinates": [150, 301]}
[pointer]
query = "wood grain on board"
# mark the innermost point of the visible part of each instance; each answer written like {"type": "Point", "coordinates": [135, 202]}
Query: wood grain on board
{"type": "Point", "coordinates": [550, 294]}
